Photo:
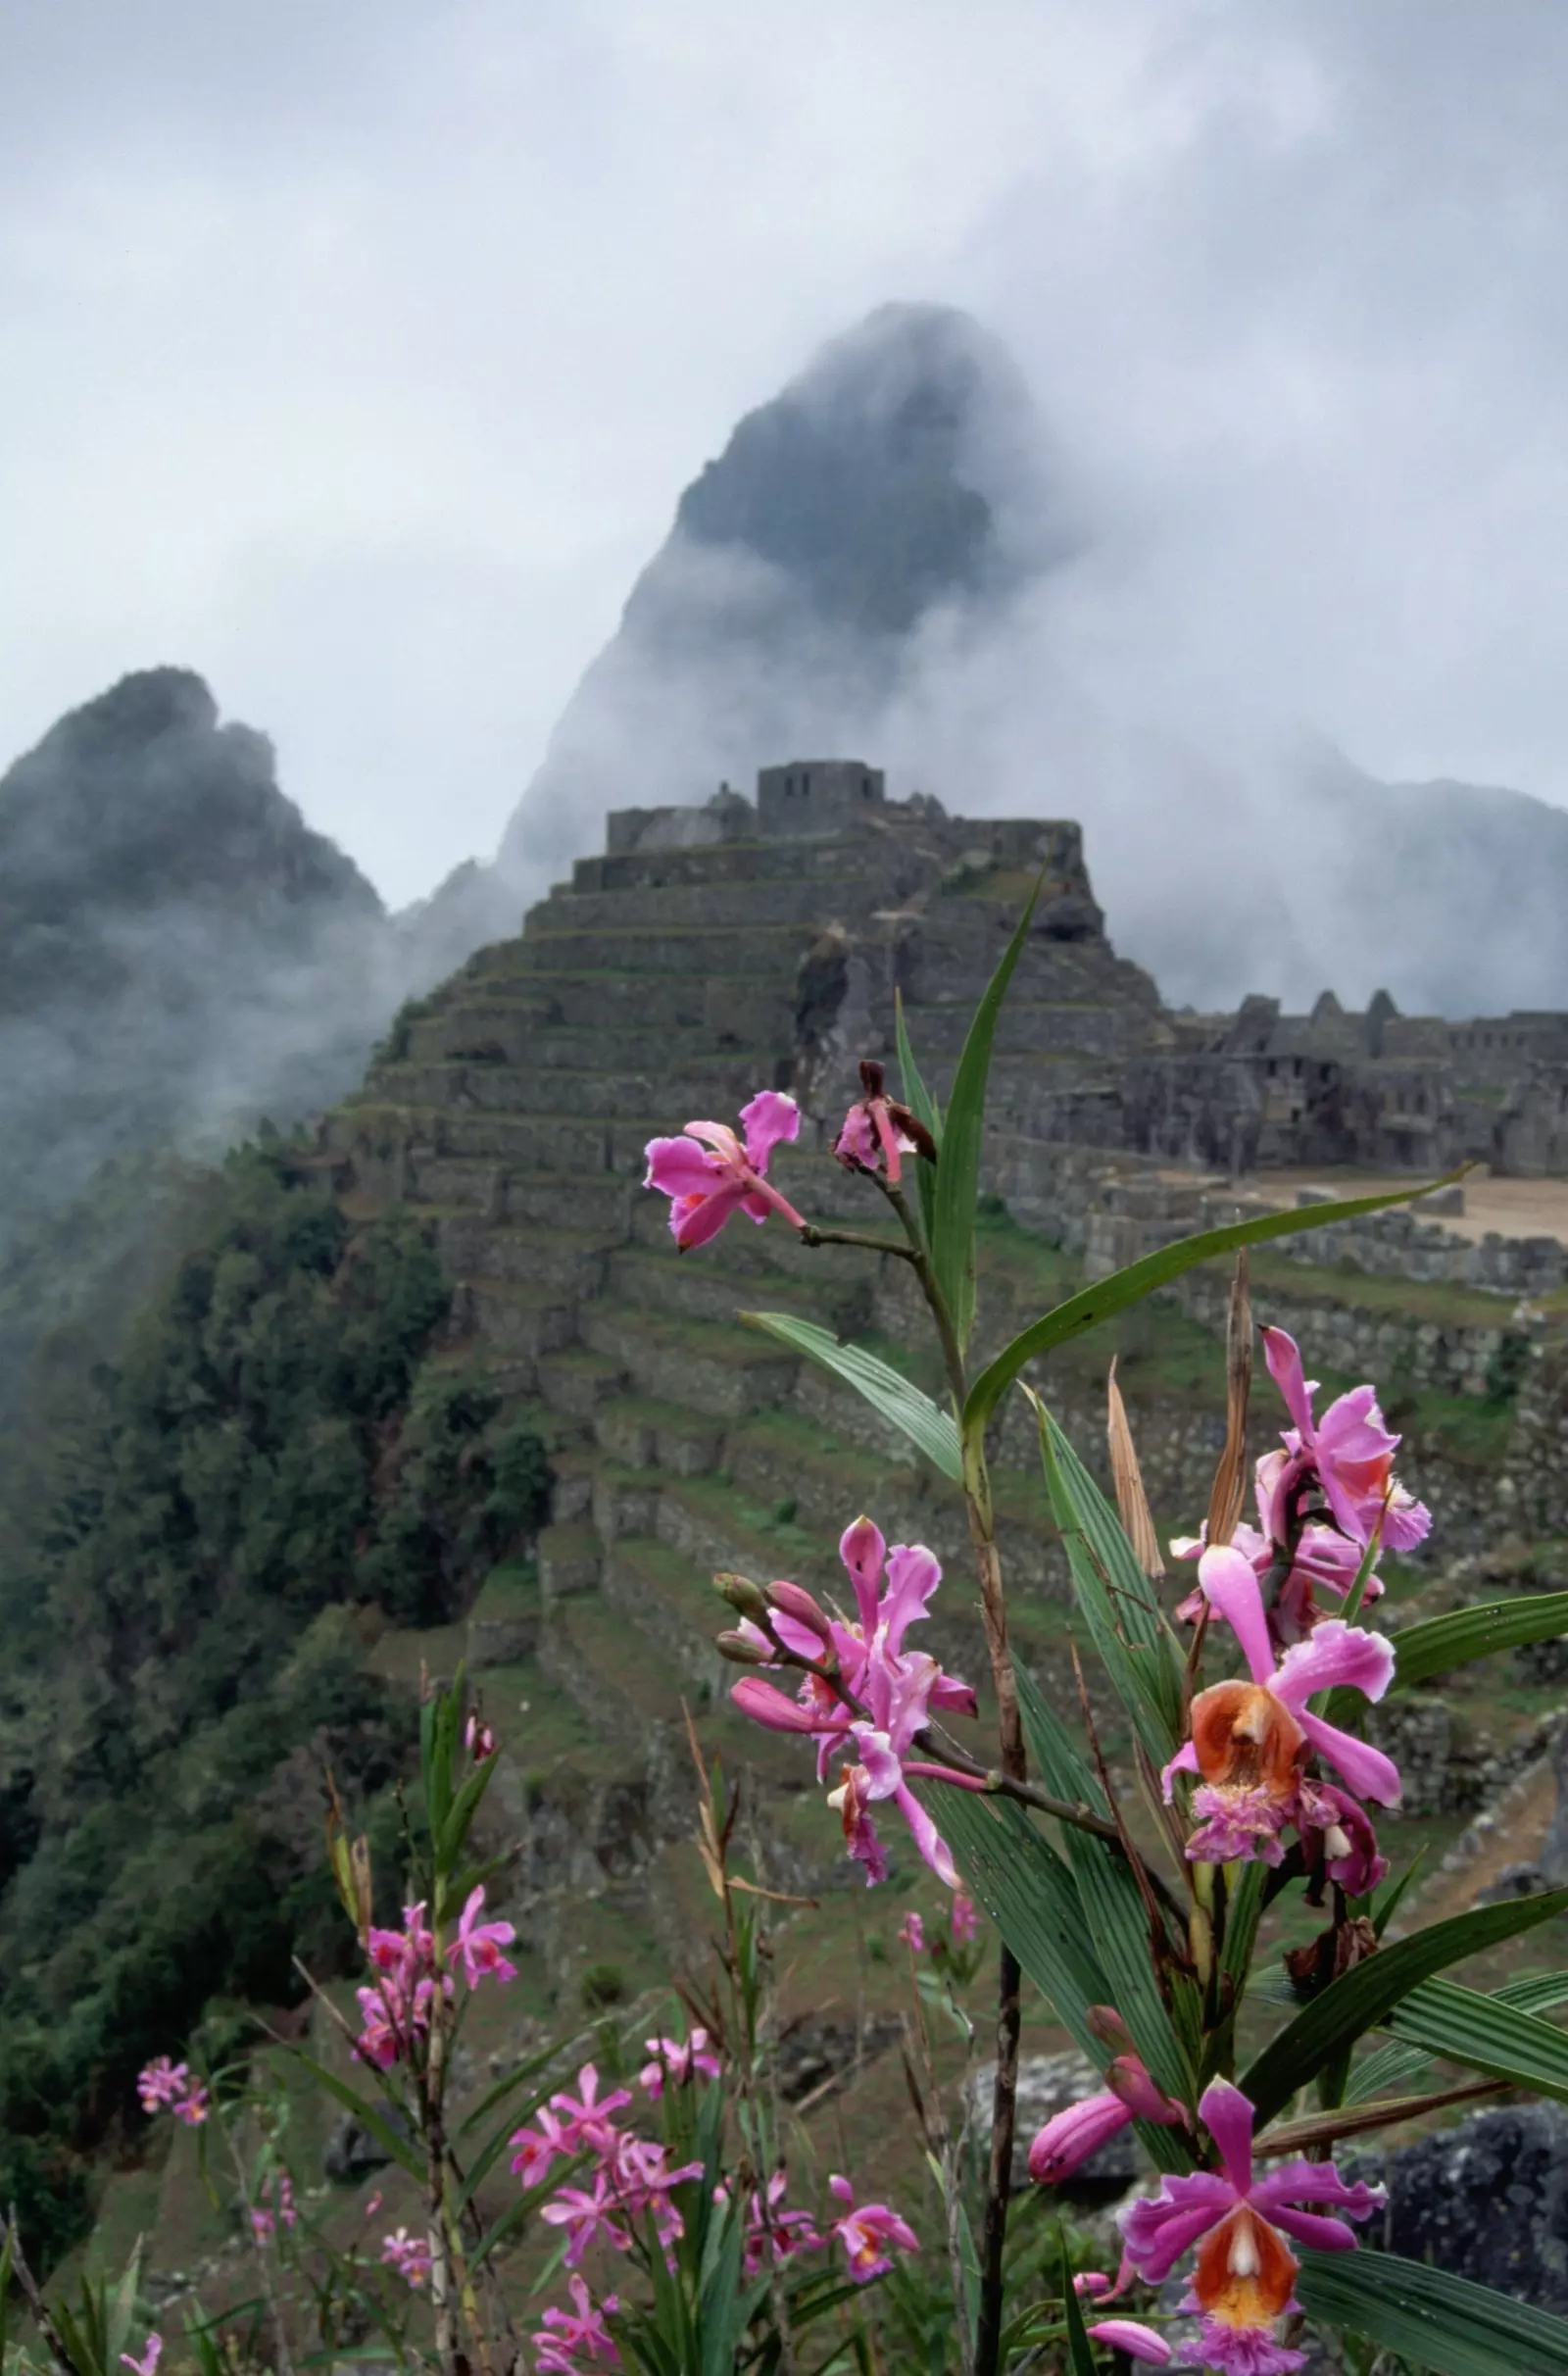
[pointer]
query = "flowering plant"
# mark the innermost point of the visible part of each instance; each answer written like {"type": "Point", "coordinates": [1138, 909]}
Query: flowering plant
{"type": "Point", "coordinates": [1243, 1704]}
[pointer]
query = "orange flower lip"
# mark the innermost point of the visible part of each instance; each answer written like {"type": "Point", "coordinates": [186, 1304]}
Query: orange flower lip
{"type": "Point", "coordinates": [1245, 1739]}
{"type": "Point", "coordinates": [1244, 2271]}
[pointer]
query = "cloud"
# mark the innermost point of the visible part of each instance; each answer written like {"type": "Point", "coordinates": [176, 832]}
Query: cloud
{"type": "Point", "coordinates": [358, 356]}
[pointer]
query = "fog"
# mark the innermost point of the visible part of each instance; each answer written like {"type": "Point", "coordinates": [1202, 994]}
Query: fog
{"type": "Point", "coordinates": [358, 358]}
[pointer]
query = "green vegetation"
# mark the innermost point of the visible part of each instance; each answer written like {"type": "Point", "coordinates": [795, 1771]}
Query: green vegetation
{"type": "Point", "coordinates": [211, 1531]}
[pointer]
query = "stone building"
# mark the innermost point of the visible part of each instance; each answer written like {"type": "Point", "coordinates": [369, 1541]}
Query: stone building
{"type": "Point", "coordinates": [811, 796]}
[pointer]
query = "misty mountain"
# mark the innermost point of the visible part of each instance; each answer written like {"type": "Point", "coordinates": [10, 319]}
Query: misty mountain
{"type": "Point", "coordinates": [894, 491]}
{"type": "Point", "coordinates": [179, 954]}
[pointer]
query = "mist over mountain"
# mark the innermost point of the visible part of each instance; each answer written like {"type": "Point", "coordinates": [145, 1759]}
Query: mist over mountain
{"type": "Point", "coordinates": [179, 953]}
{"type": "Point", "coordinates": [896, 492]}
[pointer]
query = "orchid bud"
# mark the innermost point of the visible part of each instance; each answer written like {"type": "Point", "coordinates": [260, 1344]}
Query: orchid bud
{"type": "Point", "coordinates": [793, 1601]}
{"type": "Point", "coordinates": [1109, 2028]}
{"type": "Point", "coordinates": [741, 1649]}
{"type": "Point", "coordinates": [747, 1597]}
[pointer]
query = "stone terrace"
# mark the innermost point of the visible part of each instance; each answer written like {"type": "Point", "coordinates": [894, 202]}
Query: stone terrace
{"type": "Point", "coordinates": [514, 1107]}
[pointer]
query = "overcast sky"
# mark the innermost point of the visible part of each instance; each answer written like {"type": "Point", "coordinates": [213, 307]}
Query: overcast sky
{"type": "Point", "coordinates": [355, 354]}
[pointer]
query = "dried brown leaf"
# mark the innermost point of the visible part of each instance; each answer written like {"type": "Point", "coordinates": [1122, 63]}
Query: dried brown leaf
{"type": "Point", "coordinates": [1132, 1503]}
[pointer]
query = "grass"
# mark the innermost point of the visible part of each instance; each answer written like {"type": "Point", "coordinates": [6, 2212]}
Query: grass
{"type": "Point", "coordinates": [1443, 1301]}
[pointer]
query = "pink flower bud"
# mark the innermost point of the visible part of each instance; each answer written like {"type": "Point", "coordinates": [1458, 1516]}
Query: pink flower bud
{"type": "Point", "coordinates": [791, 1601]}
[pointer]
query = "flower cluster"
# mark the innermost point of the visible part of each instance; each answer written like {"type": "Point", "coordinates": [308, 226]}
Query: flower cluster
{"type": "Point", "coordinates": [165, 2086]}
{"type": "Point", "coordinates": [394, 2009]}
{"type": "Point", "coordinates": [631, 2179]}
{"type": "Point", "coordinates": [864, 1698]}
{"type": "Point", "coordinates": [274, 2207]}
{"type": "Point", "coordinates": [709, 1173]}
{"type": "Point", "coordinates": [1324, 1501]}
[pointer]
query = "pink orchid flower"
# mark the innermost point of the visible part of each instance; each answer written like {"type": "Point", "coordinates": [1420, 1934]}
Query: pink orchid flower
{"type": "Point", "coordinates": [479, 1740]}
{"type": "Point", "coordinates": [408, 2254]}
{"type": "Point", "coordinates": [588, 2121]}
{"type": "Point", "coordinates": [878, 1130]}
{"type": "Point", "coordinates": [1350, 1452]}
{"type": "Point", "coordinates": [1250, 1740]}
{"type": "Point", "coordinates": [866, 2234]}
{"type": "Point", "coordinates": [887, 1696]}
{"type": "Point", "coordinates": [1246, 2273]}
{"type": "Point", "coordinates": [585, 2217]}
{"type": "Point", "coordinates": [539, 2148]}
{"type": "Point", "coordinates": [781, 2234]}
{"type": "Point", "coordinates": [479, 1944]}
{"type": "Point", "coordinates": [912, 1934]}
{"type": "Point", "coordinates": [709, 1173]}
{"type": "Point", "coordinates": [162, 2083]}
{"type": "Point", "coordinates": [1130, 2335]}
{"type": "Point", "coordinates": [964, 1920]}
{"type": "Point", "coordinates": [147, 2365]}
{"type": "Point", "coordinates": [569, 2336]}
{"type": "Point", "coordinates": [1067, 2140]}
{"type": "Point", "coordinates": [675, 2060]}
{"type": "Point", "coordinates": [1324, 1561]}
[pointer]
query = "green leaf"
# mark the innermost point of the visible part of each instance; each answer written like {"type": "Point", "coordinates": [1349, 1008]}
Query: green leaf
{"type": "Point", "coordinates": [928, 1427]}
{"type": "Point", "coordinates": [1107, 1295]}
{"type": "Point", "coordinates": [1436, 1644]}
{"type": "Point", "coordinates": [1112, 1908]}
{"type": "Point", "coordinates": [1364, 1997]}
{"type": "Point", "coordinates": [1392, 2068]}
{"type": "Point", "coordinates": [1486, 2034]}
{"type": "Point", "coordinates": [1442, 2323]}
{"type": "Point", "coordinates": [1081, 2358]}
{"type": "Point", "coordinates": [958, 1170]}
{"type": "Point", "coordinates": [1028, 1891]}
{"type": "Point", "coordinates": [1117, 1599]}
{"type": "Point", "coordinates": [454, 1830]}
{"type": "Point", "coordinates": [1063, 1769]}
{"type": "Point", "coordinates": [923, 1106]}
{"type": "Point", "coordinates": [386, 2135]}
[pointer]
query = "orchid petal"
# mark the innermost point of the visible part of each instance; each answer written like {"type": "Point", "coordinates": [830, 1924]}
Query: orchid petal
{"type": "Point", "coordinates": [707, 1217]}
{"type": "Point", "coordinates": [1284, 1360]}
{"type": "Point", "coordinates": [1158, 2230]}
{"type": "Point", "coordinates": [1324, 2235]}
{"type": "Point", "coordinates": [766, 1705]}
{"type": "Point", "coordinates": [769, 1119]}
{"type": "Point", "coordinates": [927, 1838]}
{"type": "Point", "coordinates": [1231, 1585]}
{"type": "Point", "coordinates": [1184, 1761]}
{"type": "Point", "coordinates": [679, 1168]}
{"type": "Point", "coordinates": [1369, 1773]}
{"type": "Point", "coordinates": [1228, 2117]}
{"type": "Point", "coordinates": [1316, 2182]}
{"type": "Point", "coordinates": [1334, 1652]}
{"type": "Point", "coordinates": [914, 1575]}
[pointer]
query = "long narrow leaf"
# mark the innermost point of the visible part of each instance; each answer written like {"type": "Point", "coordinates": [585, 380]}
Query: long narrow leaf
{"type": "Point", "coordinates": [1114, 1909]}
{"type": "Point", "coordinates": [1442, 2323]}
{"type": "Point", "coordinates": [1029, 1893]}
{"type": "Point", "coordinates": [386, 2135]}
{"type": "Point", "coordinates": [923, 1106]}
{"type": "Point", "coordinates": [1486, 2034]}
{"type": "Point", "coordinates": [1392, 2068]}
{"type": "Point", "coordinates": [959, 1169]}
{"type": "Point", "coordinates": [930, 1429]}
{"type": "Point", "coordinates": [1364, 1997]}
{"type": "Point", "coordinates": [1116, 1598]}
{"type": "Point", "coordinates": [1080, 2358]}
{"type": "Point", "coordinates": [1107, 1295]}
{"type": "Point", "coordinates": [1436, 1644]}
